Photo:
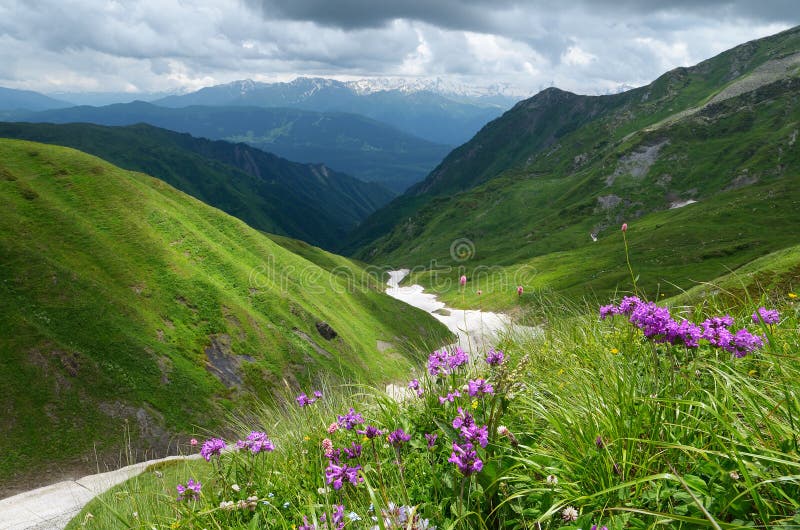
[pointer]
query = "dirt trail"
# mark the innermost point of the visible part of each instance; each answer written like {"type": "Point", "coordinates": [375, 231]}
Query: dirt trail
{"type": "Point", "coordinates": [53, 506]}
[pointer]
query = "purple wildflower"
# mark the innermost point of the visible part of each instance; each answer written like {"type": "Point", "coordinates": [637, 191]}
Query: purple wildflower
{"type": "Point", "coordinates": [628, 304]}
{"type": "Point", "coordinates": [256, 442]}
{"type": "Point", "coordinates": [317, 394]}
{"type": "Point", "coordinates": [479, 386]}
{"type": "Point", "coordinates": [189, 492]}
{"type": "Point", "coordinates": [607, 311]}
{"type": "Point", "coordinates": [437, 363]}
{"type": "Point", "coordinates": [768, 316]}
{"type": "Point", "coordinates": [334, 455]}
{"type": "Point", "coordinates": [337, 475]}
{"type": "Point", "coordinates": [744, 342]}
{"type": "Point", "coordinates": [212, 447]}
{"type": "Point", "coordinates": [457, 358]}
{"type": "Point", "coordinates": [303, 400]}
{"type": "Point", "coordinates": [599, 442]}
{"type": "Point", "coordinates": [719, 322]}
{"type": "Point", "coordinates": [337, 517]}
{"type": "Point", "coordinates": [449, 397]}
{"type": "Point", "coordinates": [398, 438]}
{"type": "Point", "coordinates": [402, 517]}
{"type": "Point", "coordinates": [350, 420]}
{"type": "Point", "coordinates": [306, 525]}
{"type": "Point", "coordinates": [476, 434]}
{"type": "Point", "coordinates": [415, 386]}
{"type": "Point", "coordinates": [685, 332]}
{"type": "Point", "coordinates": [353, 452]}
{"type": "Point", "coordinates": [494, 357]}
{"type": "Point", "coordinates": [370, 432]}
{"type": "Point", "coordinates": [466, 459]}
{"type": "Point", "coordinates": [716, 332]}
{"type": "Point", "coordinates": [431, 438]}
{"type": "Point", "coordinates": [464, 419]}
{"type": "Point", "coordinates": [651, 319]}
{"type": "Point", "coordinates": [469, 430]}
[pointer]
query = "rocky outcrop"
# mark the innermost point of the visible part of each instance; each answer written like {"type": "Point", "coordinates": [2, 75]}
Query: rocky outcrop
{"type": "Point", "coordinates": [327, 332]}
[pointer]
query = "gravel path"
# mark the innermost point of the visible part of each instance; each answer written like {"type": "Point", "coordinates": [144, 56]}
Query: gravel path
{"type": "Point", "coordinates": [53, 506]}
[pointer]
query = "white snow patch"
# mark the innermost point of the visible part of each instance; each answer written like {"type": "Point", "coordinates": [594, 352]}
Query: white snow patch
{"type": "Point", "coordinates": [681, 204]}
{"type": "Point", "coordinates": [477, 331]}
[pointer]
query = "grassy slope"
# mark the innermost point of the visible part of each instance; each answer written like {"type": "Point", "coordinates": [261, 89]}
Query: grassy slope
{"type": "Point", "coordinates": [670, 251]}
{"type": "Point", "coordinates": [631, 434]}
{"type": "Point", "coordinates": [112, 286]}
{"type": "Point", "coordinates": [778, 271]}
{"type": "Point", "coordinates": [541, 212]}
{"type": "Point", "coordinates": [267, 192]}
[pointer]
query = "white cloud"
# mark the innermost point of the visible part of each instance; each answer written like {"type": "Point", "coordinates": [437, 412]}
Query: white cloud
{"type": "Point", "coordinates": [574, 56]}
{"type": "Point", "coordinates": [156, 45]}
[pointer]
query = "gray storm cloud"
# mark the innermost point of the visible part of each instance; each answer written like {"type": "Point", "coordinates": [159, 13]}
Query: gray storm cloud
{"type": "Point", "coordinates": [157, 45]}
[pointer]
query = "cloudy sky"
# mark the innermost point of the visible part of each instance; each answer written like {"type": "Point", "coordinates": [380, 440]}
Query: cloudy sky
{"type": "Point", "coordinates": [587, 46]}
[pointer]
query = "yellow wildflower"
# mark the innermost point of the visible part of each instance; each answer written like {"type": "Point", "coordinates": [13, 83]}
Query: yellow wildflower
{"type": "Point", "coordinates": [474, 403]}
{"type": "Point", "coordinates": [792, 295]}
{"type": "Point", "coordinates": [306, 438]}
{"type": "Point", "coordinates": [614, 351]}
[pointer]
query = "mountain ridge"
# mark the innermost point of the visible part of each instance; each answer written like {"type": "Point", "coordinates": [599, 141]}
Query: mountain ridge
{"type": "Point", "coordinates": [567, 169]}
{"type": "Point", "coordinates": [14, 100]}
{"type": "Point", "coordinates": [418, 108]}
{"type": "Point", "coordinates": [305, 201]}
{"type": "Point", "coordinates": [349, 143]}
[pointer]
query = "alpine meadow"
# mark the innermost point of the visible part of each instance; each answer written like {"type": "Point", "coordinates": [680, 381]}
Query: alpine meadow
{"type": "Point", "coordinates": [461, 265]}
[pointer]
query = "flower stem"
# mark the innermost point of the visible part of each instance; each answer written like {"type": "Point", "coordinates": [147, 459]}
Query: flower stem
{"type": "Point", "coordinates": [380, 472]}
{"type": "Point", "coordinates": [402, 477]}
{"type": "Point", "coordinates": [628, 261]}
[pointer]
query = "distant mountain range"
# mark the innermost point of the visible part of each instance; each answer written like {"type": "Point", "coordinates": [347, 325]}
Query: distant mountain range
{"type": "Point", "coordinates": [362, 147]}
{"type": "Point", "coordinates": [433, 110]}
{"type": "Point", "coordinates": [15, 100]}
{"type": "Point", "coordinates": [306, 201]}
{"type": "Point", "coordinates": [99, 99]}
{"type": "Point", "coordinates": [436, 110]}
{"type": "Point", "coordinates": [547, 185]}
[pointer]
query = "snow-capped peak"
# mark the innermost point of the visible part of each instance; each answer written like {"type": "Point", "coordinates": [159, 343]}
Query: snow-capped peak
{"type": "Point", "coordinates": [436, 85]}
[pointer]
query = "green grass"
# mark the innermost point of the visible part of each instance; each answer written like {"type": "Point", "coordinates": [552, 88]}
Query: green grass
{"type": "Point", "coordinates": [687, 439]}
{"type": "Point", "coordinates": [112, 287]}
